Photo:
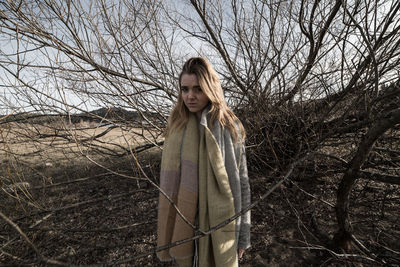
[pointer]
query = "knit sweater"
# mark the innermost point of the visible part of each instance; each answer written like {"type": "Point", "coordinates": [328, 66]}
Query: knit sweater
{"type": "Point", "coordinates": [234, 155]}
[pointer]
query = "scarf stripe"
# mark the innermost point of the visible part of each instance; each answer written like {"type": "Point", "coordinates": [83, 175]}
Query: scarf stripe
{"type": "Point", "coordinates": [179, 180]}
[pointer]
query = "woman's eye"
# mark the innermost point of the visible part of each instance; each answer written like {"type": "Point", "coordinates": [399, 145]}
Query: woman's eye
{"type": "Point", "coordinates": [184, 89]}
{"type": "Point", "coordinates": [198, 89]}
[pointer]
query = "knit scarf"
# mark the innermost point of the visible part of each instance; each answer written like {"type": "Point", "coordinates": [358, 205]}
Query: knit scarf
{"type": "Point", "coordinates": [194, 177]}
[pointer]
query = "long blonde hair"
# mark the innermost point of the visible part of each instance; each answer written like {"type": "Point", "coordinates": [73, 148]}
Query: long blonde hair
{"type": "Point", "coordinates": [211, 86]}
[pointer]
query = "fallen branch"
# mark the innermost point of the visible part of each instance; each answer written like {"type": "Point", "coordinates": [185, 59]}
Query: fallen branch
{"type": "Point", "coordinates": [71, 182]}
{"type": "Point", "coordinates": [27, 240]}
{"type": "Point", "coordinates": [95, 230]}
{"type": "Point", "coordinates": [340, 256]}
{"type": "Point", "coordinates": [84, 203]}
{"type": "Point", "coordinates": [384, 178]}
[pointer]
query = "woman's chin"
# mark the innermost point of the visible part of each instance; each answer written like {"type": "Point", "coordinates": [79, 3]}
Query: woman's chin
{"type": "Point", "coordinates": [193, 110]}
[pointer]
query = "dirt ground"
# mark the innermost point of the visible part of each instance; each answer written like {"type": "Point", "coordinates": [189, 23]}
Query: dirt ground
{"type": "Point", "coordinates": [86, 215]}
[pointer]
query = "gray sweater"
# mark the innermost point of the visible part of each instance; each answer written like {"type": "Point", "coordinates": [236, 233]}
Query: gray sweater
{"type": "Point", "coordinates": [234, 155]}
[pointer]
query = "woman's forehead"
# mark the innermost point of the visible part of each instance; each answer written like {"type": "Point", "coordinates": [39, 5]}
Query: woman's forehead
{"type": "Point", "coordinates": [189, 79]}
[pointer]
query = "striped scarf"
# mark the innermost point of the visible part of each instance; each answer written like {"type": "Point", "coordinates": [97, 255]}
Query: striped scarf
{"type": "Point", "coordinates": [193, 175]}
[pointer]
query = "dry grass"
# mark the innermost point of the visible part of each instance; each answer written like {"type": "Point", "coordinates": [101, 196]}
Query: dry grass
{"type": "Point", "coordinates": [48, 143]}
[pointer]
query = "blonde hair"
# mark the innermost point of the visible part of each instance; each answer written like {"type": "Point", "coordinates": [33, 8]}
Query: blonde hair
{"type": "Point", "coordinates": [211, 86]}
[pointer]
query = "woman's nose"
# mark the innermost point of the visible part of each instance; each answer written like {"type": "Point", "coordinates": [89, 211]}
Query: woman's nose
{"type": "Point", "coordinates": [191, 94]}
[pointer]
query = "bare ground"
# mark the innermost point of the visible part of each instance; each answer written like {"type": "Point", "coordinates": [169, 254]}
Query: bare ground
{"type": "Point", "coordinates": [86, 215]}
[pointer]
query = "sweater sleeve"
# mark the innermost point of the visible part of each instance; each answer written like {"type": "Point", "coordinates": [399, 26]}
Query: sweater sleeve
{"type": "Point", "coordinates": [244, 235]}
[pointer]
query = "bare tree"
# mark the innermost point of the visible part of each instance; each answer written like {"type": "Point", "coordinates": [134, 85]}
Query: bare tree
{"type": "Point", "coordinates": [317, 77]}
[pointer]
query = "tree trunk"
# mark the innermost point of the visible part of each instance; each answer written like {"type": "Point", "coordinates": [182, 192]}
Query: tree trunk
{"type": "Point", "coordinates": [342, 238]}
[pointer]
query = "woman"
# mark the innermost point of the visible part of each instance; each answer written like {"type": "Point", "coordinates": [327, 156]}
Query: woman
{"type": "Point", "coordinates": [204, 172]}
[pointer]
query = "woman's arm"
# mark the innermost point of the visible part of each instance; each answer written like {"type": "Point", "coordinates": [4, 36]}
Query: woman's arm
{"type": "Point", "coordinates": [244, 235]}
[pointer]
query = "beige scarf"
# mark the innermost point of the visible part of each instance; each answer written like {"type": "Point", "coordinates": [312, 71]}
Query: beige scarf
{"type": "Point", "coordinates": [193, 175]}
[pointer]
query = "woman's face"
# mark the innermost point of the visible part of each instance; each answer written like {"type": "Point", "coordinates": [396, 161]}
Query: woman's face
{"type": "Point", "coordinates": [193, 97]}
